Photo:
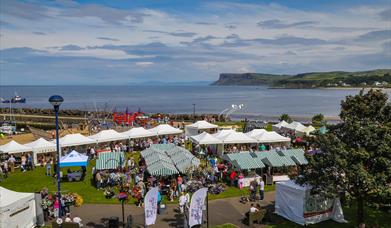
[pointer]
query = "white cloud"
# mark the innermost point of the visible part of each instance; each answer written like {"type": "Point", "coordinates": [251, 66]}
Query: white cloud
{"type": "Point", "coordinates": [144, 63]}
{"type": "Point", "coordinates": [197, 39]}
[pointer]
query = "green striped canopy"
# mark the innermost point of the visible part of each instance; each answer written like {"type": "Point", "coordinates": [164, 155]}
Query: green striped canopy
{"type": "Point", "coordinates": [297, 155]}
{"type": "Point", "coordinates": [274, 159]}
{"type": "Point", "coordinates": [254, 160]}
{"type": "Point", "coordinates": [162, 169]}
{"type": "Point", "coordinates": [244, 160]}
{"type": "Point", "coordinates": [110, 160]}
{"type": "Point", "coordinates": [164, 159]}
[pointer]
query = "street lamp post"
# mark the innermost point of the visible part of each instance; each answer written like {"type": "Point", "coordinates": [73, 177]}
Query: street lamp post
{"type": "Point", "coordinates": [56, 101]}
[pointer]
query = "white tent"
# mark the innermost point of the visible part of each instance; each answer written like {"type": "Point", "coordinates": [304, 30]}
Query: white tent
{"type": "Point", "coordinates": [255, 132]}
{"type": "Point", "coordinates": [75, 140]}
{"type": "Point", "coordinates": [74, 158]}
{"type": "Point", "coordinates": [223, 133]}
{"type": "Point", "coordinates": [281, 124]}
{"type": "Point", "coordinates": [309, 129]}
{"type": "Point", "coordinates": [17, 209]}
{"type": "Point", "coordinates": [195, 128]}
{"type": "Point", "coordinates": [137, 132]}
{"type": "Point", "coordinates": [206, 139]}
{"type": "Point", "coordinates": [271, 137]}
{"type": "Point", "coordinates": [202, 125]}
{"type": "Point", "coordinates": [237, 137]}
{"type": "Point", "coordinates": [294, 202]}
{"type": "Point", "coordinates": [107, 136]}
{"type": "Point", "coordinates": [14, 148]}
{"type": "Point", "coordinates": [165, 129]}
{"type": "Point", "coordinates": [296, 126]}
{"type": "Point", "coordinates": [41, 146]}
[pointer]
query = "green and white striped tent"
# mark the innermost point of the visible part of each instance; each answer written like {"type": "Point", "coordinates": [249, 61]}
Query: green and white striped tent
{"type": "Point", "coordinates": [274, 159]}
{"type": "Point", "coordinates": [162, 169]}
{"type": "Point", "coordinates": [110, 160]}
{"type": "Point", "coordinates": [168, 159]}
{"type": "Point", "coordinates": [297, 155]}
{"type": "Point", "coordinates": [254, 160]}
{"type": "Point", "coordinates": [244, 160]}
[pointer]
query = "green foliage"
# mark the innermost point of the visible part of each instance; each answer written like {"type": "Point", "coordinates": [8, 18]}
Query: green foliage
{"type": "Point", "coordinates": [286, 117]}
{"type": "Point", "coordinates": [356, 154]}
{"type": "Point", "coordinates": [318, 119]}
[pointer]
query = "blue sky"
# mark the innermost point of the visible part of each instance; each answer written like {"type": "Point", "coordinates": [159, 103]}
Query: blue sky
{"type": "Point", "coordinates": [125, 42]}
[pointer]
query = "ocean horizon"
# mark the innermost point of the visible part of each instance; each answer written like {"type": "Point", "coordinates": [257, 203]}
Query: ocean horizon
{"type": "Point", "coordinates": [175, 99]}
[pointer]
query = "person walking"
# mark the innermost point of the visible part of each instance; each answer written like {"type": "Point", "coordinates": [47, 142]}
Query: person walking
{"type": "Point", "coordinates": [159, 200]}
{"type": "Point", "coordinates": [23, 165]}
{"type": "Point", "coordinates": [182, 202]}
{"type": "Point", "coordinates": [30, 164]}
{"type": "Point", "coordinates": [49, 168]}
{"type": "Point", "coordinates": [12, 161]}
{"type": "Point", "coordinates": [261, 189]}
{"type": "Point", "coordinates": [180, 181]}
{"type": "Point", "coordinates": [56, 207]}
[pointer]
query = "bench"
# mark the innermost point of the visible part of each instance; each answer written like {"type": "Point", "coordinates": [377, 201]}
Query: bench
{"type": "Point", "coordinates": [256, 217]}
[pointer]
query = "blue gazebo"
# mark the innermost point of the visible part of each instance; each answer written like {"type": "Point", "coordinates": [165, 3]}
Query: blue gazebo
{"type": "Point", "coordinates": [74, 158]}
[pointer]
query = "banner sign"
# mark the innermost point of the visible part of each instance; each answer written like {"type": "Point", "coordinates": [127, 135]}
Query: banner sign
{"type": "Point", "coordinates": [196, 205]}
{"type": "Point", "coordinates": [151, 206]}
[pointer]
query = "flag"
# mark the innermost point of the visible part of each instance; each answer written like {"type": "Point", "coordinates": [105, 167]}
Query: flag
{"type": "Point", "coordinates": [151, 206]}
{"type": "Point", "coordinates": [196, 205]}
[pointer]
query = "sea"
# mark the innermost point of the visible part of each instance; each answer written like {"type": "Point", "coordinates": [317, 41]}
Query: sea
{"type": "Point", "coordinates": [255, 101]}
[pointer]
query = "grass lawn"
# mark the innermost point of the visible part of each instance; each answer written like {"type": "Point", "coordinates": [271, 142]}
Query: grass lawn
{"type": "Point", "coordinates": [236, 192]}
{"type": "Point", "coordinates": [34, 181]}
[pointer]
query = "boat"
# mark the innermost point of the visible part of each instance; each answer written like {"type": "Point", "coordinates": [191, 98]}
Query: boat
{"type": "Point", "coordinates": [5, 101]}
{"type": "Point", "coordinates": [15, 99]}
{"type": "Point", "coordinates": [18, 99]}
{"type": "Point", "coordinates": [8, 128]}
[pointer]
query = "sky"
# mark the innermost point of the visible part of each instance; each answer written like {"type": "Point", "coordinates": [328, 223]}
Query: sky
{"type": "Point", "coordinates": [119, 42]}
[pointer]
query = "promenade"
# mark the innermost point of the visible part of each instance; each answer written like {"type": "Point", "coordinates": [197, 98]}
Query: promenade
{"type": "Point", "coordinates": [221, 211]}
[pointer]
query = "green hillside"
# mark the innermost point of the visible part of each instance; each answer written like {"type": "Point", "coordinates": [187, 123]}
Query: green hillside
{"type": "Point", "coordinates": [379, 77]}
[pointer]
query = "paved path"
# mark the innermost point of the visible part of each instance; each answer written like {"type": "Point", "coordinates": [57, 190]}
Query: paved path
{"type": "Point", "coordinates": [221, 211]}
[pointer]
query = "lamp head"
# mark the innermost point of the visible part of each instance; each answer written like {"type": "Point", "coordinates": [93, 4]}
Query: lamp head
{"type": "Point", "coordinates": [56, 100]}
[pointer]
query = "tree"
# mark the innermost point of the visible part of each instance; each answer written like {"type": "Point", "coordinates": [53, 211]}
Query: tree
{"type": "Point", "coordinates": [286, 118]}
{"type": "Point", "coordinates": [355, 155]}
{"type": "Point", "coordinates": [318, 119]}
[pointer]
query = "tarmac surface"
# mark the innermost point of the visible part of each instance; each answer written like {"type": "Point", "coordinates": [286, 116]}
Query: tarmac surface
{"type": "Point", "coordinates": [221, 211]}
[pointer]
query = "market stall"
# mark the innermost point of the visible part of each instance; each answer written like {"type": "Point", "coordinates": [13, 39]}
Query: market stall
{"type": "Point", "coordinates": [41, 146]}
{"type": "Point", "coordinates": [17, 209]}
{"type": "Point", "coordinates": [165, 129]}
{"type": "Point", "coordinates": [272, 137]}
{"type": "Point", "coordinates": [297, 204]}
{"type": "Point", "coordinates": [199, 127]}
{"type": "Point", "coordinates": [279, 125]}
{"type": "Point", "coordinates": [138, 132]}
{"type": "Point", "coordinates": [14, 148]}
{"type": "Point", "coordinates": [74, 140]}
{"type": "Point", "coordinates": [74, 158]}
{"type": "Point", "coordinates": [110, 160]}
{"type": "Point", "coordinates": [245, 162]}
{"type": "Point", "coordinates": [107, 136]}
{"type": "Point", "coordinates": [297, 127]}
{"type": "Point", "coordinates": [206, 139]}
{"type": "Point", "coordinates": [168, 159]}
